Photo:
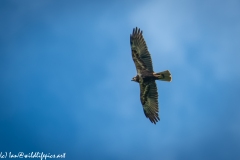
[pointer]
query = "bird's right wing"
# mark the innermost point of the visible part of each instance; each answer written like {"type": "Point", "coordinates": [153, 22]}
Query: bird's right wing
{"type": "Point", "coordinates": [140, 54]}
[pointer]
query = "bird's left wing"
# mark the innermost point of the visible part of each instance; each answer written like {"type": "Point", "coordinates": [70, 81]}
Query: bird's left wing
{"type": "Point", "coordinates": [140, 54]}
{"type": "Point", "coordinates": [149, 100]}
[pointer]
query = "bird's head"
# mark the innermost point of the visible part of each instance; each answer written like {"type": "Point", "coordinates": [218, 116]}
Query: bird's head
{"type": "Point", "coordinates": [135, 79]}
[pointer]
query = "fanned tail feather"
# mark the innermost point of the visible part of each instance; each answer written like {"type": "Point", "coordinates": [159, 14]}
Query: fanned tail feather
{"type": "Point", "coordinates": [163, 76]}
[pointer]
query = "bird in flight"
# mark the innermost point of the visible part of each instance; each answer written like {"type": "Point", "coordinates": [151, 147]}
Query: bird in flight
{"type": "Point", "coordinates": [146, 76]}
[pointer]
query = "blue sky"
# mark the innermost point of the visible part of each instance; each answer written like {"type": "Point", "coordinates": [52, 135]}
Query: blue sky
{"type": "Point", "coordinates": [66, 68]}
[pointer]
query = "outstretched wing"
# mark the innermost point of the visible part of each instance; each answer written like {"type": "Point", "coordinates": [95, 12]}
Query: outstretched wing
{"type": "Point", "coordinates": [140, 54]}
{"type": "Point", "coordinates": [149, 100]}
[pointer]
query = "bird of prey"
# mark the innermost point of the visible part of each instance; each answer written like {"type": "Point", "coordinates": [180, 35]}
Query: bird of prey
{"type": "Point", "coordinates": [146, 76]}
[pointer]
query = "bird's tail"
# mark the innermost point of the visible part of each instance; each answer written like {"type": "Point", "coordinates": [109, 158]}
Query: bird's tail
{"type": "Point", "coordinates": [163, 76]}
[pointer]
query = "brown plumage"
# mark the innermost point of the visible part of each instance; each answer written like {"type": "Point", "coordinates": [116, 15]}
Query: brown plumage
{"type": "Point", "coordinates": [146, 76]}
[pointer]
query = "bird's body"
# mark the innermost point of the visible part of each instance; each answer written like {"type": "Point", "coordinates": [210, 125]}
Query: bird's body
{"type": "Point", "coordinates": [146, 76]}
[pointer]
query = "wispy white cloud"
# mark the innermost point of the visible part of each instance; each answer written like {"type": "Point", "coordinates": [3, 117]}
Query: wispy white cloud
{"type": "Point", "coordinates": [193, 41]}
{"type": "Point", "coordinates": [172, 27]}
{"type": "Point", "coordinates": [88, 79]}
